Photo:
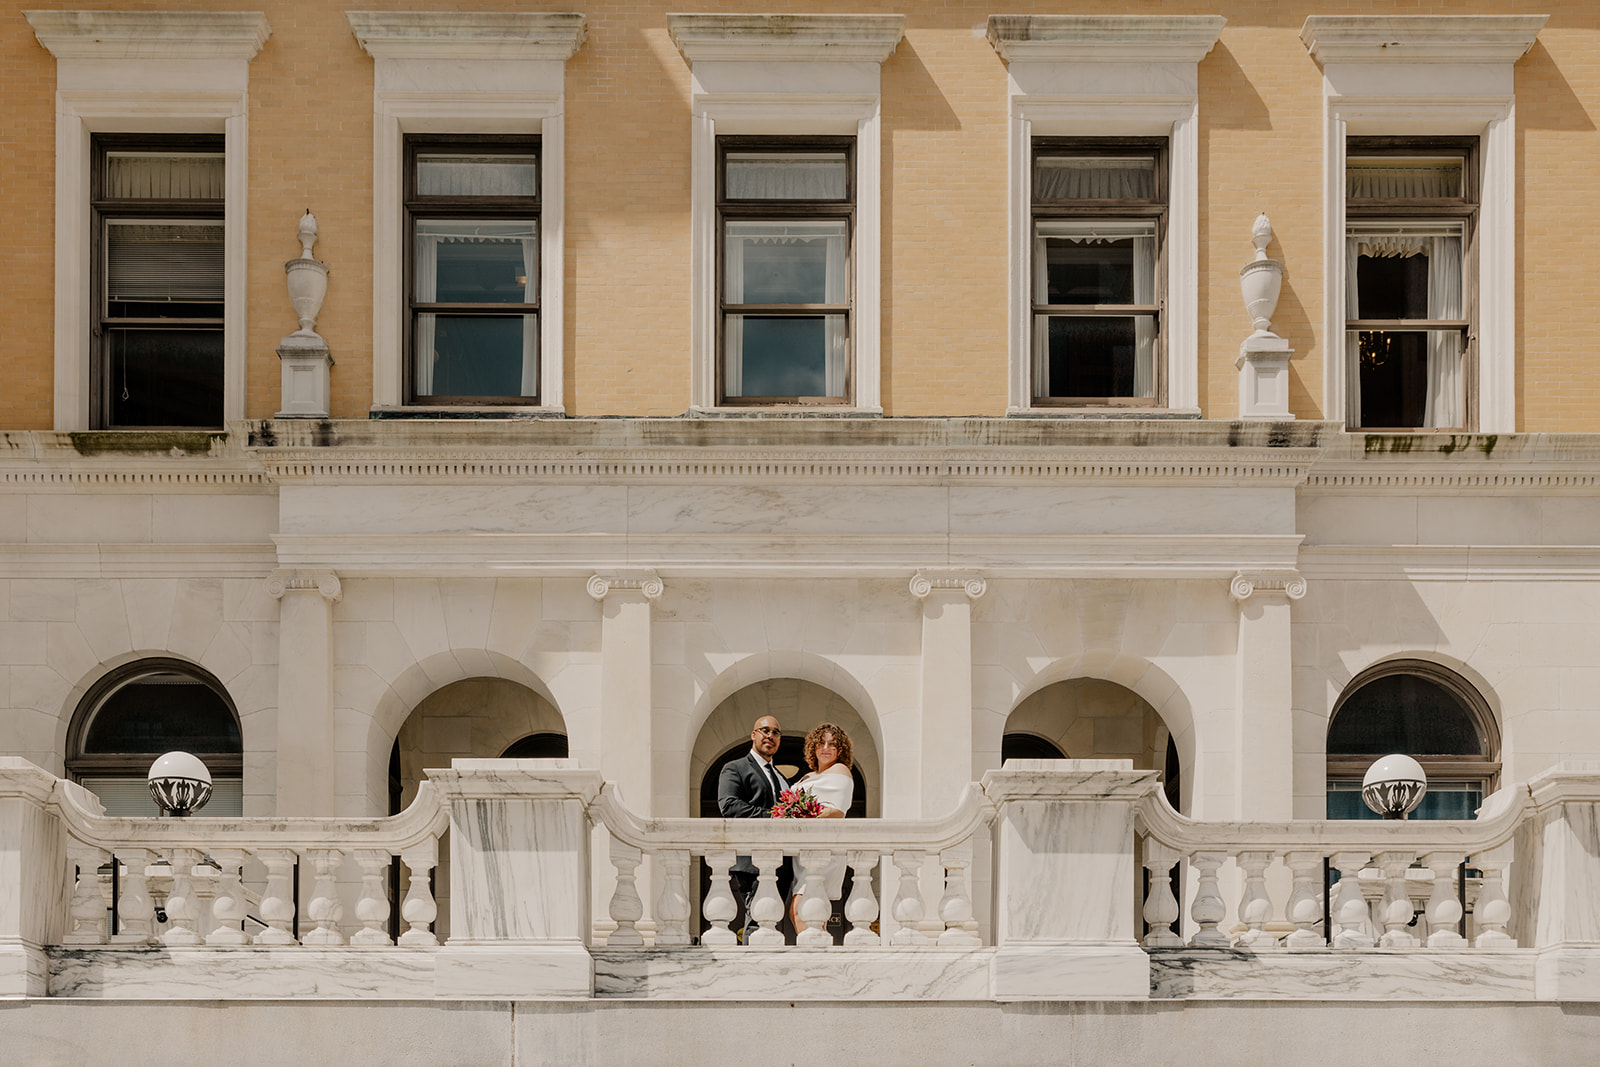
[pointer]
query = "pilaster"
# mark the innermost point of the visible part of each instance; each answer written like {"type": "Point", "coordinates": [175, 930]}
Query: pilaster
{"type": "Point", "coordinates": [946, 763]}
{"type": "Point", "coordinates": [307, 771]}
{"type": "Point", "coordinates": [1263, 686]}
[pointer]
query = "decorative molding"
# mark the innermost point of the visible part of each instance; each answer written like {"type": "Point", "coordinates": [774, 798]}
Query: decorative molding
{"type": "Point", "coordinates": [546, 35]}
{"type": "Point", "coordinates": [792, 38]}
{"type": "Point", "coordinates": [1245, 585]}
{"type": "Point", "coordinates": [150, 34]}
{"type": "Point", "coordinates": [1420, 38]}
{"type": "Point", "coordinates": [283, 581]}
{"type": "Point", "coordinates": [139, 560]}
{"type": "Point", "coordinates": [1105, 38]}
{"type": "Point", "coordinates": [645, 583]}
{"type": "Point", "coordinates": [924, 583]}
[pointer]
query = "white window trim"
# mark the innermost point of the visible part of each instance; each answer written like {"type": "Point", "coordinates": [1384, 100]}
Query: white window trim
{"type": "Point", "coordinates": [449, 73]}
{"type": "Point", "coordinates": [145, 72]}
{"type": "Point", "coordinates": [1108, 76]}
{"type": "Point", "coordinates": [1441, 75]}
{"type": "Point", "coordinates": [786, 75]}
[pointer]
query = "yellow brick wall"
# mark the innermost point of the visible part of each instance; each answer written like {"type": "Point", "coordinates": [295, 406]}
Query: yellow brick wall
{"type": "Point", "coordinates": [944, 209]}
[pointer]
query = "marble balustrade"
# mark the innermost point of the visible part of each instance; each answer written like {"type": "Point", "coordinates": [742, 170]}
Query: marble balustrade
{"type": "Point", "coordinates": [136, 882]}
{"type": "Point", "coordinates": [889, 852]}
{"type": "Point", "coordinates": [1380, 884]}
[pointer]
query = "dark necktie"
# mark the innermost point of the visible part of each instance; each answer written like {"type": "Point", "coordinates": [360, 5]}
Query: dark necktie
{"type": "Point", "coordinates": [777, 785]}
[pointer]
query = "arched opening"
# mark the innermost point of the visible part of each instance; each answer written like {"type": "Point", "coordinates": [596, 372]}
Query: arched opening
{"type": "Point", "coordinates": [475, 718]}
{"type": "Point", "coordinates": [1424, 711]}
{"type": "Point", "coordinates": [798, 705]}
{"type": "Point", "coordinates": [1091, 718]}
{"type": "Point", "coordinates": [138, 712]}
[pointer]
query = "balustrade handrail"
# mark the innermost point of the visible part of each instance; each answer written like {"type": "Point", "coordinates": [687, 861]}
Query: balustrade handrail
{"type": "Point", "coordinates": [973, 810]}
{"type": "Point", "coordinates": [1498, 820]}
{"type": "Point", "coordinates": [424, 820]}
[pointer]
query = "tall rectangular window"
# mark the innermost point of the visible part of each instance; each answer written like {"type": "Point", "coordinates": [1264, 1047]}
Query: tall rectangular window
{"type": "Point", "coordinates": [785, 210]}
{"type": "Point", "coordinates": [472, 219]}
{"type": "Point", "coordinates": [1410, 210]}
{"type": "Point", "coordinates": [158, 252]}
{"type": "Point", "coordinates": [1099, 227]}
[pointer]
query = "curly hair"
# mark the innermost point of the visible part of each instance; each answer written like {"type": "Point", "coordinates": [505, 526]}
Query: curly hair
{"type": "Point", "coordinates": [840, 739]}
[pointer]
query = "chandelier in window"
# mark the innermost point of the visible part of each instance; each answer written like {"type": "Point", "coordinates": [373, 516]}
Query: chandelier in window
{"type": "Point", "coordinates": [1376, 347]}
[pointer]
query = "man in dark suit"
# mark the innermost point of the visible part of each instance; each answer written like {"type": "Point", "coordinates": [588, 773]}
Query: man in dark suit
{"type": "Point", "coordinates": [747, 789]}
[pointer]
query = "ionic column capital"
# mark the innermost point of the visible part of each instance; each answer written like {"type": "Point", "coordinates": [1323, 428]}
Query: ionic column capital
{"type": "Point", "coordinates": [646, 583]}
{"type": "Point", "coordinates": [285, 580]}
{"type": "Point", "coordinates": [925, 582]}
{"type": "Point", "coordinates": [1246, 584]}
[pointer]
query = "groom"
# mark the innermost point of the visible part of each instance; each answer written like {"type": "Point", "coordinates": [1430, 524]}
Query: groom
{"type": "Point", "coordinates": [747, 789]}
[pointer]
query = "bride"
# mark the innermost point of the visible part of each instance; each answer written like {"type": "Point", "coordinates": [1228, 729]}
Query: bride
{"type": "Point", "coordinates": [829, 757]}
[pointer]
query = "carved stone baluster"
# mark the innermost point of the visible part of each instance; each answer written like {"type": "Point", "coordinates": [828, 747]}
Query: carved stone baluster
{"type": "Point", "coordinates": [205, 893]}
{"type": "Point", "coordinates": [908, 901]}
{"type": "Point", "coordinates": [419, 909]}
{"type": "Point", "coordinates": [277, 900]}
{"type": "Point", "coordinates": [182, 909]}
{"type": "Point", "coordinates": [1208, 908]}
{"type": "Point", "coordinates": [815, 907]}
{"type": "Point", "coordinates": [88, 908]}
{"type": "Point", "coordinates": [862, 907]}
{"type": "Point", "coordinates": [955, 908]}
{"type": "Point", "coordinates": [136, 913]}
{"type": "Point", "coordinates": [626, 907]}
{"type": "Point", "coordinates": [1396, 908]}
{"type": "Point", "coordinates": [229, 909]}
{"type": "Point", "coordinates": [372, 909]}
{"type": "Point", "coordinates": [1255, 906]}
{"type": "Point", "coordinates": [1160, 906]}
{"type": "Point", "coordinates": [767, 907]}
{"type": "Point", "coordinates": [719, 907]}
{"type": "Point", "coordinates": [1444, 910]}
{"type": "Point", "coordinates": [672, 902]}
{"type": "Point", "coordinates": [1492, 910]}
{"type": "Point", "coordinates": [1349, 907]}
{"type": "Point", "coordinates": [1305, 903]}
{"type": "Point", "coordinates": [325, 908]}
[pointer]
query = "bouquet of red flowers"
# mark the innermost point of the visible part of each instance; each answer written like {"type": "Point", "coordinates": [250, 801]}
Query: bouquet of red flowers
{"type": "Point", "coordinates": [797, 804]}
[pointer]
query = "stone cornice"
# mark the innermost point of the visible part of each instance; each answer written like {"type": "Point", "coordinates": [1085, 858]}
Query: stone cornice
{"type": "Point", "coordinates": [1105, 38]}
{"type": "Point", "coordinates": [537, 35]}
{"type": "Point", "coordinates": [150, 34]}
{"type": "Point", "coordinates": [795, 38]}
{"type": "Point", "coordinates": [1420, 38]}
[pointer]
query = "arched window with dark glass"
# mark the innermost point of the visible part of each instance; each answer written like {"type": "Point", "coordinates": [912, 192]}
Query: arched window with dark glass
{"type": "Point", "coordinates": [1423, 711]}
{"type": "Point", "coordinates": [137, 713]}
{"type": "Point", "coordinates": [537, 746]}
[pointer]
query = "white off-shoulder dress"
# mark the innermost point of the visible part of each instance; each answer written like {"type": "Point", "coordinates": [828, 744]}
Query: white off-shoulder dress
{"type": "Point", "coordinates": [836, 791]}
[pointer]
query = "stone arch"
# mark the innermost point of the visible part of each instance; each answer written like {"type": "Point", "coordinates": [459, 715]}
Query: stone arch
{"type": "Point", "coordinates": [761, 666]}
{"type": "Point", "coordinates": [1144, 679]}
{"type": "Point", "coordinates": [798, 704]}
{"type": "Point", "coordinates": [476, 718]}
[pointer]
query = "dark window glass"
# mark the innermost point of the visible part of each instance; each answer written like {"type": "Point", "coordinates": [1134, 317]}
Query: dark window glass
{"type": "Point", "coordinates": [1403, 713]}
{"type": "Point", "coordinates": [1028, 746]}
{"type": "Point", "coordinates": [537, 746]}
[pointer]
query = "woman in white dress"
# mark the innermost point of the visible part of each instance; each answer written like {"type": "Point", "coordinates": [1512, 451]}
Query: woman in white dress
{"type": "Point", "coordinates": [830, 759]}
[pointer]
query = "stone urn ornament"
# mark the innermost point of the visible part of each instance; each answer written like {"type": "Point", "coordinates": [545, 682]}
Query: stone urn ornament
{"type": "Point", "coordinates": [1263, 361]}
{"type": "Point", "coordinates": [304, 355]}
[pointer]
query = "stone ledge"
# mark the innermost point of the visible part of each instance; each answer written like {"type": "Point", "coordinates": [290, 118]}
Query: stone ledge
{"type": "Point", "coordinates": [246, 973]}
{"type": "Point", "coordinates": [1370, 974]}
{"type": "Point", "coordinates": [790, 974]}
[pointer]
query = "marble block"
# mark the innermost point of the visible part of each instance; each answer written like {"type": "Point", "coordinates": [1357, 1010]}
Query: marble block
{"type": "Point", "coordinates": [509, 970]}
{"type": "Point", "coordinates": [23, 971]}
{"type": "Point", "coordinates": [1070, 971]}
{"type": "Point", "coordinates": [1568, 973]}
{"type": "Point", "coordinates": [1369, 974]}
{"type": "Point", "coordinates": [244, 973]}
{"type": "Point", "coordinates": [789, 974]}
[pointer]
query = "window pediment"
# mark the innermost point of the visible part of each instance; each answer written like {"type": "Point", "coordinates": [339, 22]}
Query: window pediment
{"type": "Point", "coordinates": [1420, 38]}
{"type": "Point", "coordinates": [1104, 38]}
{"type": "Point", "coordinates": [541, 35]}
{"type": "Point", "coordinates": [795, 38]}
{"type": "Point", "coordinates": [150, 34]}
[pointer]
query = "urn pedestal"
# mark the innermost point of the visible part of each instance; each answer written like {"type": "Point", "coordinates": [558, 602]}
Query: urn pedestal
{"type": "Point", "coordinates": [1263, 362]}
{"type": "Point", "coordinates": [306, 384]}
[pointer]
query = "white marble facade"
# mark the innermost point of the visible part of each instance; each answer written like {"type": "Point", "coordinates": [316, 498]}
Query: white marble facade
{"type": "Point", "coordinates": [634, 587]}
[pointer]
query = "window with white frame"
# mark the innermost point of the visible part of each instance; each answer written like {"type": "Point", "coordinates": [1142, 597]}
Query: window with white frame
{"type": "Point", "coordinates": [159, 281]}
{"type": "Point", "coordinates": [472, 211]}
{"type": "Point", "coordinates": [784, 262]}
{"type": "Point", "coordinates": [785, 209]}
{"type": "Point", "coordinates": [1099, 214]}
{"type": "Point", "coordinates": [1410, 206]}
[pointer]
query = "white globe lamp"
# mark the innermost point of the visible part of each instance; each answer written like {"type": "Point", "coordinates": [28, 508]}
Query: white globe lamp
{"type": "Point", "coordinates": [180, 784]}
{"type": "Point", "coordinates": [1394, 786]}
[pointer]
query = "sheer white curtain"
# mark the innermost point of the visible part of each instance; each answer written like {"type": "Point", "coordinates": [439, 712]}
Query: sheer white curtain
{"type": "Point", "coordinates": [427, 269]}
{"type": "Point", "coordinates": [1041, 323]}
{"type": "Point", "coordinates": [1093, 179]}
{"type": "Point", "coordinates": [1352, 339]}
{"type": "Point", "coordinates": [836, 328]}
{"type": "Point", "coordinates": [530, 330]}
{"type": "Point", "coordinates": [1144, 327]}
{"type": "Point", "coordinates": [1443, 406]}
{"type": "Point", "coordinates": [733, 325]}
{"type": "Point", "coordinates": [765, 177]}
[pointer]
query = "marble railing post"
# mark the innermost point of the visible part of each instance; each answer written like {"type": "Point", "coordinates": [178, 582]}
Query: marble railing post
{"type": "Point", "coordinates": [1063, 924]}
{"type": "Point", "coordinates": [520, 870]}
{"type": "Point", "coordinates": [1557, 904]}
{"type": "Point", "coordinates": [34, 877]}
